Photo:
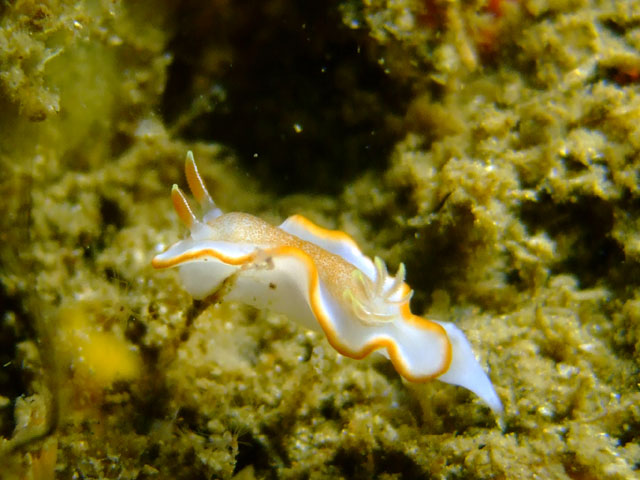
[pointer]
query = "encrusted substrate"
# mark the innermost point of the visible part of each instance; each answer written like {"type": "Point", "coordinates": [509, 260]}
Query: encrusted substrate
{"type": "Point", "coordinates": [492, 146]}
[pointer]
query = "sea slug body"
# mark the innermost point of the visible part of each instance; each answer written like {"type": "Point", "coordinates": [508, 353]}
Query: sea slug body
{"type": "Point", "coordinates": [320, 278]}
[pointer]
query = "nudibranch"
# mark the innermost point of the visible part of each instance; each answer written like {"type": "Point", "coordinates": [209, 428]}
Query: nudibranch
{"type": "Point", "coordinates": [320, 278]}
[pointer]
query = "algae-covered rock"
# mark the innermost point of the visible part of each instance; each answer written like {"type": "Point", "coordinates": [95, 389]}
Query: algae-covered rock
{"type": "Point", "coordinates": [491, 146]}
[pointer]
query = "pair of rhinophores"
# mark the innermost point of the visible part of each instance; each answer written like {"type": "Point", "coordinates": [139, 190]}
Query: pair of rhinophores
{"type": "Point", "coordinates": [321, 279]}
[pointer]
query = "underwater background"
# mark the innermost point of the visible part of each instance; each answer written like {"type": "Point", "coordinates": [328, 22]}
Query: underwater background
{"type": "Point", "coordinates": [493, 146]}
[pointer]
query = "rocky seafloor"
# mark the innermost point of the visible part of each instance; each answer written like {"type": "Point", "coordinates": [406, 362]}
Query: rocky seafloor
{"type": "Point", "coordinates": [492, 146]}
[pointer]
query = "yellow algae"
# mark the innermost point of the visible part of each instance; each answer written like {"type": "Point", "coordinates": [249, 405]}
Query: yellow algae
{"type": "Point", "coordinates": [94, 356]}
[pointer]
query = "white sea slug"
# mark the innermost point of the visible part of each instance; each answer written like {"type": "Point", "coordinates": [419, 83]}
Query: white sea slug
{"type": "Point", "coordinates": [321, 279]}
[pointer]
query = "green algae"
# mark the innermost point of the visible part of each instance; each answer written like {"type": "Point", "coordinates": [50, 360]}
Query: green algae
{"type": "Point", "coordinates": [511, 194]}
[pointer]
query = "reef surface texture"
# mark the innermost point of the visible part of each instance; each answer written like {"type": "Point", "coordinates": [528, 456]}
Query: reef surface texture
{"type": "Point", "coordinates": [493, 146]}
